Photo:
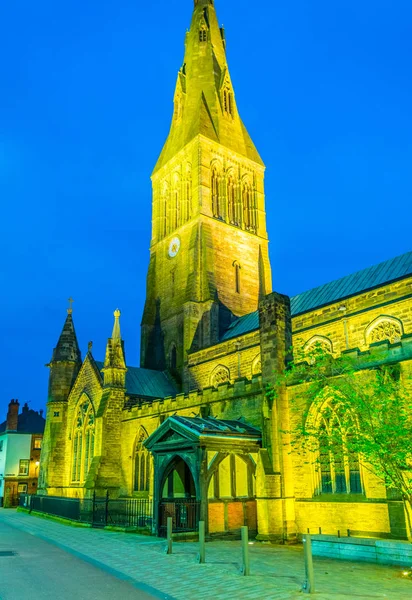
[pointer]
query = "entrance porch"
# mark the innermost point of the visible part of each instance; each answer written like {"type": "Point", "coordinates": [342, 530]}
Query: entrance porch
{"type": "Point", "coordinates": [204, 469]}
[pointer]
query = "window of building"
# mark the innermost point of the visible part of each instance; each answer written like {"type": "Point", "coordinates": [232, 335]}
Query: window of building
{"type": "Point", "coordinates": [216, 200]}
{"type": "Point", "coordinates": [237, 276]}
{"type": "Point", "coordinates": [141, 477]}
{"type": "Point", "coordinates": [173, 358]}
{"type": "Point", "coordinates": [220, 374]}
{"type": "Point", "coordinates": [22, 488]}
{"type": "Point", "coordinates": [338, 469]}
{"type": "Point", "coordinates": [317, 347]}
{"type": "Point", "coordinates": [249, 213]}
{"type": "Point", "coordinates": [228, 101]}
{"type": "Point", "coordinates": [231, 200]}
{"type": "Point", "coordinates": [37, 443]}
{"type": "Point", "coordinates": [83, 441]}
{"type": "Point", "coordinates": [202, 34]}
{"type": "Point", "coordinates": [384, 328]}
{"type": "Point", "coordinates": [24, 466]}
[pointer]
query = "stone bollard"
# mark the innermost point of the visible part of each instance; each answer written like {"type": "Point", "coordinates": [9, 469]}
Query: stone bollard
{"type": "Point", "coordinates": [168, 548]}
{"type": "Point", "coordinates": [245, 569]}
{"type": "Point", "coordinates": [201, 557]}
{"type": "Point", "coordinates": [309, 584]}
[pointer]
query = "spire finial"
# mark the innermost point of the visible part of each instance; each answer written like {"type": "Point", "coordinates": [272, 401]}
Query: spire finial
{"type": "Point", "coordinates": [116, 327]}
{"type": "Point", "coordinates": [70, 309]}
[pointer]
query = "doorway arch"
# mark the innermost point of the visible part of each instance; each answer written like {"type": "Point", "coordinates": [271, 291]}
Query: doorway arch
{"type": "Point", "coordinates": [178, 481]}
{"type": "Point", "coordinates": [178, 497]}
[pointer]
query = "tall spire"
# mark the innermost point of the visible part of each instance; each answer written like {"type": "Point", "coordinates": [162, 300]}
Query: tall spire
{"type": "Point", "coordinates": [204, 98]}
{"type": "Point", "coordinates": [114, 363]}
{"type": "Point", "coordinates": [67, 348]}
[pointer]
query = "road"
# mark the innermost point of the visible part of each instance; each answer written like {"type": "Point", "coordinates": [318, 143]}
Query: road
{"type": "Point", "coordinates": [38, 569]}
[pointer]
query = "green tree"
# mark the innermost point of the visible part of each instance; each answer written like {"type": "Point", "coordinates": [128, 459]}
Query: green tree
{"type": "Point", "coordinates": [348, 407]}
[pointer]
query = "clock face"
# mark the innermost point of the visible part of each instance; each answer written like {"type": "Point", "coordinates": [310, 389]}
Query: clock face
{"type": "Point", "coordinates": [174, 247]}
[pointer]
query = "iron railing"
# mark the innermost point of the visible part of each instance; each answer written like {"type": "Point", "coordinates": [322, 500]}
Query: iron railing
{"type": "Point", "coordinates": [98, 511]}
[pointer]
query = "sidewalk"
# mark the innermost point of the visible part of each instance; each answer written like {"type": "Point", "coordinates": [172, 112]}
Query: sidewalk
{"type": "Point", "coordinates": [276, 571]}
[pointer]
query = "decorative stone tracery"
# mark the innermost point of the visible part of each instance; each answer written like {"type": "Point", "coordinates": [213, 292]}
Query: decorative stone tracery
{"type": "Point", "coordinates": [221, 374]}
{"type": "Point", "coordinates": [83, 440]}
{"type": "Point", "coordinates": [384, 328]}
{"type": "Point", "coordinates": [318, 343]}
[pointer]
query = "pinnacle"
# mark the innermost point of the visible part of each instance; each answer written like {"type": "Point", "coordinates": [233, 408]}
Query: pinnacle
{"type": "Point", "coordinates": [67, 348]}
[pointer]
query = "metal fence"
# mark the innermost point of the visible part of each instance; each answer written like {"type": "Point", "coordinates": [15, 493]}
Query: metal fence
{"type": "Point", "coordinates": [98, 511]}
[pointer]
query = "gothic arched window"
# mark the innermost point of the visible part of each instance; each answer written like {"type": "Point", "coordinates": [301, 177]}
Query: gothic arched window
{"type": "Point", "coordinates": [228, 103]}
{"type": "Point", "coordinates": [83, 440]}
{"type": "Point", "coordinates": [173, 358]}
{"type": "Point", "coordinates": [317, 346]}
{"type": "Point", "coordinates": [231, 199]}
{"type": "Point", "coordinates": [175, 207]}
{"type": "Point", "coordinates": [141, 467]}
{"type": "Point", "coordinates": [220, 374]}
{"type": "Point", "coordinates": [215, 185]}
{"type": "Point", "coordinates": [187, 211]}
{"type": "Point", "coordinates": [164, 197]}
{"type": "Point", "coordinates": [338, 469]}
{"type": "Point", "coordinates": [237, 276]}
{"type": "Point", "coordinates": [203, 34]}
{"type": "Point", "coordinates": [247, 204]}
{"type": "Point", "coordinates": [384, 328]}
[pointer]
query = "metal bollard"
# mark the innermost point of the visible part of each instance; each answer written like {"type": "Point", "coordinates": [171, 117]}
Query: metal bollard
{"type": "Point", "coordinates": [309, 584]}
{"type": "Point", "coordinates": [245, 570]}
{"type": "Point", "coordinates": [201, 557]}
{"type": "Point", "coordinates": [168, 548]}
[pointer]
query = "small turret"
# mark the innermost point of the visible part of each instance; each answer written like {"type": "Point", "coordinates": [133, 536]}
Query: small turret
{"type": "Point", "coordinates": [114, 363]}
{"type": "Point", "coordinates": [66, 361]}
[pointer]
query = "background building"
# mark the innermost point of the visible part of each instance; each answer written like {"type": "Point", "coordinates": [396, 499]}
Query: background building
{"type": "Point", "coordinates": [21, 438]}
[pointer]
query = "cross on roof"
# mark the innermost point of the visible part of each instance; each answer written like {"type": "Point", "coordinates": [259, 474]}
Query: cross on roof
{"type": "Point", "coordinates": [70, 309]}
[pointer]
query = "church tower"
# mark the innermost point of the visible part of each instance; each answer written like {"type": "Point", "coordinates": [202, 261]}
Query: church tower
{"type": "Point", "coordinates": [209, 249]}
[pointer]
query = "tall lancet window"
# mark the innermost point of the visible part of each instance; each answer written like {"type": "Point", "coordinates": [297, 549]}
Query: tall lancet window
{"type": "Point", "coordinates": [231, 199]}
{"type": "Point", "coordinates": [163, 202]}
{"type": "Point", "coordinates": [187, 211]}
{"type": "Point", "coordinates": [247, 201]}
{"type": "Point", "coordinates": [175, 208]}
{"type": "Point", "coordinates": [141, 467]}
{"type": "Point", "coordinates": [216, 199]}
{"type": "Point", "coordinates": [203, 34]}
{"type": "Point", "coordinates": [83, 441]}
{"type": "Point", "coordinates": [228, 104]}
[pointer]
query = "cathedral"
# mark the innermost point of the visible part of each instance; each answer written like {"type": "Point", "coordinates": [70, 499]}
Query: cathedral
{"type": "Point", "coordinates": [194, 421]}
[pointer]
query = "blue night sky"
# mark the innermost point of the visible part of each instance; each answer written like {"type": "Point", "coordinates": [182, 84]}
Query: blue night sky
{"type": "Point", "coordinates": [86, 92]}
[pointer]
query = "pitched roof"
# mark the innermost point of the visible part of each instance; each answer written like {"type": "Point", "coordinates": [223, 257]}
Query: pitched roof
{"type": "Point", "coordinates": [361, 281]}
{"type": "Point", "coordinates": [218, 427]}
{"type": "Point", "coordinates": [386, 272]}
{"type": "Point", "coordinates": [242, 325]}
{"type": "Point", "coordinates": [29, 421]}
{"type": "Point", "coordinates": [146, 383]}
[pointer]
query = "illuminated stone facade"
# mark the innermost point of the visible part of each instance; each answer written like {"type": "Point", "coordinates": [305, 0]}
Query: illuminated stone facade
{"type": "Point", "coordinates": [213, 337]}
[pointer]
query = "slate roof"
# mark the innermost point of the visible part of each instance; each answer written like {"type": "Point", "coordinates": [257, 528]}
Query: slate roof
{"type": "Point", "coordinates": [218, 427]}
{"type": "Point", "coordinates": [146, 383]}
{"type": "Point", "coordinates": [361, 281]}
{"type": "Point", "coordinates": [242, 325]}
{"type": "Point", "coordinates": [350, 285]}
{"type": "Point", "coordinates": [29, 421]}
